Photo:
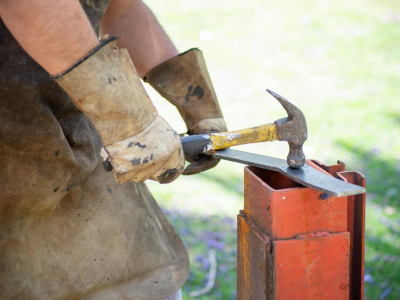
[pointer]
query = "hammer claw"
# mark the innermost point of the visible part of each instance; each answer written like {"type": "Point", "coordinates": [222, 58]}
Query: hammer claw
{"type": "Point", "coordinates": [292, 129]}
{"type": "Point", "coordinates": [291, 109]}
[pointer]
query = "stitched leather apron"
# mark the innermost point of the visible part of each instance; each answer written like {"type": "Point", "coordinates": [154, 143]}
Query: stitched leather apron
{"type": "Point", "coordinates": [67, 231]}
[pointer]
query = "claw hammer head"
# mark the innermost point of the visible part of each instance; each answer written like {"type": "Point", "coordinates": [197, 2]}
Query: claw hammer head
{"type": "Point", "coordinates": [292, 129]}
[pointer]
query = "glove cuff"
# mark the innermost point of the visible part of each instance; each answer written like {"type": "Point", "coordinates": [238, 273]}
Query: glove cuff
{"type": "Point", "coordinates": [105, 86]}
{"type": "Point", "coordinates": [184, 81]}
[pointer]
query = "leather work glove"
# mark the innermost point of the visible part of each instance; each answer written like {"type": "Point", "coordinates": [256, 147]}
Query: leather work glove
{"type": "Point", "coordinates": [137, 142]}
{"type": "Point", "coordinates": [184, 81]}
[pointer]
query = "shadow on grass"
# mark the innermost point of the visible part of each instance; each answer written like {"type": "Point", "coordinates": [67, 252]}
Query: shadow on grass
{"type": "Point", "coordinates": [382, 279]}
{"type": "Point", "coordinates": [382, 241]}
{"type": "Point", "coordinates": [382, 175]}
{"type": "Point", "coordinates": [200, 234]}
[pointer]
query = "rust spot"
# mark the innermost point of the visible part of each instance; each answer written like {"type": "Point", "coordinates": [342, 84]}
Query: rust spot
{"type": "Point", "coordinates": [343, 286]}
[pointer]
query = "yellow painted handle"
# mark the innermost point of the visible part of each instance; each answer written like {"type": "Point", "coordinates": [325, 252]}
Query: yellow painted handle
{"type": "Point", "coordinates": [258, 134]}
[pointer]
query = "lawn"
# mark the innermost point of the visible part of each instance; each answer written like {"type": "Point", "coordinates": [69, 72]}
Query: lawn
{"type": "Point", "coordinates": [339, 62]}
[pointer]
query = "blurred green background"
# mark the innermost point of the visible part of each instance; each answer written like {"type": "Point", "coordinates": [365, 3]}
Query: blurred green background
{"type": "Point", "coordinates": [339, 61]}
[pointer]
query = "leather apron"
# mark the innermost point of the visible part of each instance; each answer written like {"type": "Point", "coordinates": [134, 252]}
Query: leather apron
{"type": "Point", "coordinates": [67, 231]}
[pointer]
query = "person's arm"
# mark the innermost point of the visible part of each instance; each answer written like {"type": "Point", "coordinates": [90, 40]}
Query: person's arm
{"type": "Point", "coordinates": [102, 82]}
{"type": "Point", "coordinates": [139, 32]}
{"type": "Point", "coordinates": [54, 33]}
{"type": "Point", "coordinates": [182, 79]}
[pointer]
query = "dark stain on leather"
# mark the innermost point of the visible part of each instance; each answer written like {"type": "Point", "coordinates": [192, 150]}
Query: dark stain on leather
{"type": "Point", "coordinates": [136, 144]}
{"type": "Point", "coordinates": [198, 91]}
{"type": "Point", "coordinates": [135, 161]}
{"type": "Point", "coordinates": [110, 79]}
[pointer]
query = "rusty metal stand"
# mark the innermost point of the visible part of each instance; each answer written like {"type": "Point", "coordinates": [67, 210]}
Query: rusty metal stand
{"type": "Point", "coordinates": [296, 243]}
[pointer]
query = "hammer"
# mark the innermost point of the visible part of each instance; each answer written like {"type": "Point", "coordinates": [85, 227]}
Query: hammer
{"type": "Point", "coordinates": [292, 129]}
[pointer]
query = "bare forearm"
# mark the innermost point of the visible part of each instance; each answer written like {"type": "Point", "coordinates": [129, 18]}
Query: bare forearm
{"type": "Point", "coordinates": [54, 33]}
{"type": "Point", "coordinates": [140, 33]}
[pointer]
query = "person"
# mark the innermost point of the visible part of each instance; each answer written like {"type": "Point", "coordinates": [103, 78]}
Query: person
{"type": "Point", "coordinates": [69, 103]}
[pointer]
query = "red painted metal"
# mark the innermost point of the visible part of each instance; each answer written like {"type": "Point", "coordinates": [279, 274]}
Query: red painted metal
{"type": "Point", "coordinates": [285, 209]}
{"type": "Point", "coordinates": [294, 243]}
{"type": "Point", "coordinates": [356, 227]}
{"type": "Point", "coordinates": [254, 247]}
{"type": "Point", "coordinates": [311, 268]}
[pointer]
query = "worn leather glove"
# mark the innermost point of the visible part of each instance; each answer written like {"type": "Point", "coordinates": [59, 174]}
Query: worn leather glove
{"type": "Point", "coordinates": [203, 162]}
{"type": "Point", "coordinates": [184, 81]}
{"type": "Point", "coordinates": [137, 142]}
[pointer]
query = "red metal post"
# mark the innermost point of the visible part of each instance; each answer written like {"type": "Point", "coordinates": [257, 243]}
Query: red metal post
{"type": "Point", "coordinates": [294, 243]}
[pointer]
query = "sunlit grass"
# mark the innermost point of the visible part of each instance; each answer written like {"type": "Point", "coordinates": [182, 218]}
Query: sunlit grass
{"type": "Point", "coordinates": [339, 61]}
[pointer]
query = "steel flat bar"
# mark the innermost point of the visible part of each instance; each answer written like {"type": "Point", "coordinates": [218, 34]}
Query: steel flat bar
{"type": "Point", "coordinates": [306, 175]}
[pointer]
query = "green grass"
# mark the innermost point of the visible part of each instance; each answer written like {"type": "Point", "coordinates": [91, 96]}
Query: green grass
{"type": "Point", "coordinates": [203, 233]}
{"type": "Point", "coordinates": [339, 61]}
